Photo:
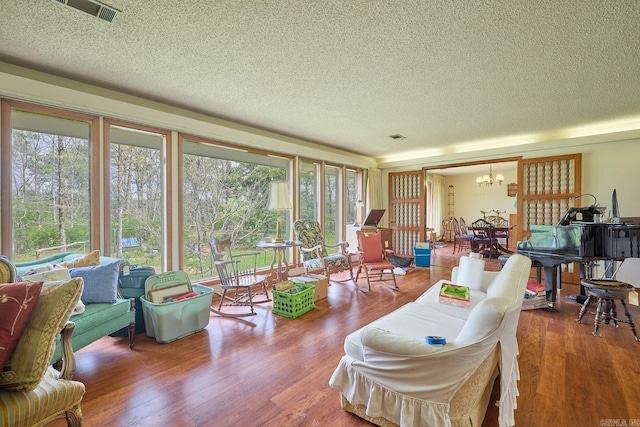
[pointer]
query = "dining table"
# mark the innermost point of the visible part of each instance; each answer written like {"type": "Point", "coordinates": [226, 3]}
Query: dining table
{"type": "Point", "coordinates": [490, 237]}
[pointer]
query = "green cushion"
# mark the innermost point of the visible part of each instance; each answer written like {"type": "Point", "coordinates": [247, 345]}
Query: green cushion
{"type": "Point", "coordinates": [31, 356]}
{"type": "Point", "coordinates": [97, 321]}
{"type": "Point", "coordinates": [96, 314]}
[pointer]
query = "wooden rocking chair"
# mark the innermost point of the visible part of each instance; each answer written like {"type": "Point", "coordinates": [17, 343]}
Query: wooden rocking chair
{"type": "Point", "coordinates": [239, 288]}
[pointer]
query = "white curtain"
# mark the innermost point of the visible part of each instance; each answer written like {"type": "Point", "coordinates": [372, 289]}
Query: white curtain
{"type": "Point", "coordinates": [436, 202]}
{"type": "Point", "coordinates": [374, 188]}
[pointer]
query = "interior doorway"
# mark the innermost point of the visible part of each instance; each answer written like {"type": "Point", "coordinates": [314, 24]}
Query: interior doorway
{"type": "Point", "coordinates": [462, 196]}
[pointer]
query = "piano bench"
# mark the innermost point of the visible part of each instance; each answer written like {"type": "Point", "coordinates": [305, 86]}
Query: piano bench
{"type": "Point", "coordinates": [605, 292]}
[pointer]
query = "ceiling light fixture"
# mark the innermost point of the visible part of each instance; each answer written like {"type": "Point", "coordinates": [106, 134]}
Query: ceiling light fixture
{"type": "Point", "coordinates": [488, 179]}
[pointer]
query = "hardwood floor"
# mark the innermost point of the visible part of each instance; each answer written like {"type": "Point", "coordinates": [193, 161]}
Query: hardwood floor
{"type": "Point", "coordinates": [268, 370]}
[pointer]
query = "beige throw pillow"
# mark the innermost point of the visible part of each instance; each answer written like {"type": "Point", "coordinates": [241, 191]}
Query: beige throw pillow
{"type": "Point", "coordinates": [88, 260]}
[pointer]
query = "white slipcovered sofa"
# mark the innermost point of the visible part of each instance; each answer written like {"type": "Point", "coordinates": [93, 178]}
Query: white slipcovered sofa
{"type": "Point", "coordinates": [391, 376]}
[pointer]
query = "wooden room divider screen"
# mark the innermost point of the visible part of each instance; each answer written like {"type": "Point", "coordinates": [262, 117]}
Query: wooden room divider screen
{"type": "Point", "coordinates": [407, 210]}
{"type": "Point", "coordinates": [547, 187]}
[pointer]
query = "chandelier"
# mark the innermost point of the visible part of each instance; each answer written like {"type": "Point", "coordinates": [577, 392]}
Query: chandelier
{"type": "Point", "coordinates": [488, 179]}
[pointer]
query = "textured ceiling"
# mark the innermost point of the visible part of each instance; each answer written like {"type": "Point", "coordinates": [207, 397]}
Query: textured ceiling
{"type": "Point", "coordinates": [350, 73]}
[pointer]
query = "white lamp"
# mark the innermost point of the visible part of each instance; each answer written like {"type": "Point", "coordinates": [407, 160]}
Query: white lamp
{"type": "Point", "coordinates": [279, 200]}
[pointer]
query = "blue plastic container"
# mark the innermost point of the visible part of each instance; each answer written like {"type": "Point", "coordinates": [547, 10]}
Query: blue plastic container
{"type": "Point", "coordinates": [423, 257]}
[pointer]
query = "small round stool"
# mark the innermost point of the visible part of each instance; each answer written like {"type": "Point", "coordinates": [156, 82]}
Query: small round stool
{"type": "Point", "coordinates": [607, 292]}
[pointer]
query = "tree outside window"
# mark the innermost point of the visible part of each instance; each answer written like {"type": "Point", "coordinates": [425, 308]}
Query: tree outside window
{"type": "Point", "coordinates": [50, 185]}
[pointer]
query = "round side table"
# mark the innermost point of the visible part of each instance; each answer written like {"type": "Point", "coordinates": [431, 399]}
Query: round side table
{"type": "Point", "coordinates": [279, 269]}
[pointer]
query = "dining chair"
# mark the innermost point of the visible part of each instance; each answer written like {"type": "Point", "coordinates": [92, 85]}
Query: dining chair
{"type": "Point", "coordinates": [484, 239]}
{"type": "Point", "coordinates": [461, 239]}
{"type": "Point", "coordinates": [503, 224]}
{"type": "Point", "coordinates": [448, 235]}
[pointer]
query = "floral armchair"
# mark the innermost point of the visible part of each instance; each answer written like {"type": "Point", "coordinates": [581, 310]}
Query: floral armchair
{"type": "Point", "coordinates": [314, 250]}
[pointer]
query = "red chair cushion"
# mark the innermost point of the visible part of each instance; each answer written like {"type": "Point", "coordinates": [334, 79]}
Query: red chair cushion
{"type": "Point", "coordinates": [371, 247]}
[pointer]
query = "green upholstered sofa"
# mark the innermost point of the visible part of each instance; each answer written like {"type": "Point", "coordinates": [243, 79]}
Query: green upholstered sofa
{"type": "Point", "coordinates": [98, 319]}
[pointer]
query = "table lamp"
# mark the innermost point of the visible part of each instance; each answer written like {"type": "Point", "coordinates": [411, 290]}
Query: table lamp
{"type": "Point", "coordinates": [359, 204]}
{"type": "Point", "coordinates": [279, 200]}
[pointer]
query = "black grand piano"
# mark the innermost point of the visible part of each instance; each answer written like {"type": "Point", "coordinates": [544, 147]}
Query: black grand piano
{"type": "Point", "coordinates": [580, 241]}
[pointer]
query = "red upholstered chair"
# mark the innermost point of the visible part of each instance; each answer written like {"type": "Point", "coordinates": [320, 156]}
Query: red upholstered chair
{"type": "Point", "coordinates": [373, 259]}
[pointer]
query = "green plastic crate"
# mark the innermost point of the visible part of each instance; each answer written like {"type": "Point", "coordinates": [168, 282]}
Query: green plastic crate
{"type": "Point", "coordinates": [294, 305]}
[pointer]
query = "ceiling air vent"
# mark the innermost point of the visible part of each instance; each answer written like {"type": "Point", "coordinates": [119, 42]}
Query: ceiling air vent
{"type": "Point", "coordinates": [92, 7]}
{"type": "Point", "coordinates": [397, 136]}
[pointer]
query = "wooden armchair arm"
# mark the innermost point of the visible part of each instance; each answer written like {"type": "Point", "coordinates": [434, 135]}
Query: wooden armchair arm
{"type": "Point", "coordinates": [343, 246]}
{"type": "Point", "coordinates": [68, 358]}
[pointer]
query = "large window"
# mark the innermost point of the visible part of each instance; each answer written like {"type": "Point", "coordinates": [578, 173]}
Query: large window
{"type": "Point", "coordinates": [309, 190]}
{"type": "Point", "coordinates": [225, 195]}
{"type": "Point", "coordinates": [332, 205]}
{"type": "Point", "coordinates": [136, 196]}
{"type": "Point", "coordinates": [353, 195]}
{"type": "Point", "coordinates": [80, 182]}
{"type": "Point", "coordinates": [50, 185]}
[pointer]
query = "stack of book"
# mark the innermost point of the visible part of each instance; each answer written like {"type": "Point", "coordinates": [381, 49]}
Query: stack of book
{"type": "Point", "coordinates": [534, 296]}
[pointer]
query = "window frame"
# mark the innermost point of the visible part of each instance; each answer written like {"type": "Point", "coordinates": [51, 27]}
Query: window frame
{"type": "Point", "coordinates": [7, 107]}
{"type": "Point", "coordinates": [99, 186]}
{"type": "Point", "coordinates": [166, 156]}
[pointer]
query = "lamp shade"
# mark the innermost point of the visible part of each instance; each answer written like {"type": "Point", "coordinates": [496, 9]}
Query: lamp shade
{"type": "Point", "coordinates": [279, 196]}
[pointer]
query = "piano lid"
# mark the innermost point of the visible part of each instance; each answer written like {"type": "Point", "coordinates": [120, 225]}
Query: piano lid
{"type": "Point", "coordinates": [374, 217]}
{"type": "Point", "coordinates": [581, 214]}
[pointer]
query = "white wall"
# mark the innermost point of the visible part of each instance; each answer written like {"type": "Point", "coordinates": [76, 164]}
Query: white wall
{"type": "Point", "coordinates": [470, 199]}
{"type": "Point", "coordinates": [605, 166]}
{"type": "Point", "coordinates": [613, 165]}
